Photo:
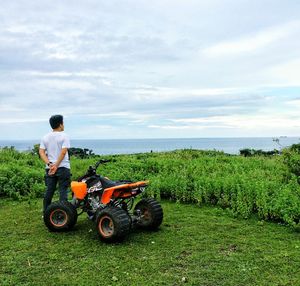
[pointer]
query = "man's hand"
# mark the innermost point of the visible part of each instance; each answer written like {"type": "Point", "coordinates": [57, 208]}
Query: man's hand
{"type": "Point", "coordinates": [52, 170]}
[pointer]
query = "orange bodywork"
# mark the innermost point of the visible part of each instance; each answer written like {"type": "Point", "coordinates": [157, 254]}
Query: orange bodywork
{"type": "Point", "coordinates": [121, 191]}
{"type": "Point", "coordinates": [79, 189]}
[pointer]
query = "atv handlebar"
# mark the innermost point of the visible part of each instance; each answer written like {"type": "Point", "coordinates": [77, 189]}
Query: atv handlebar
{"type": "Point", "coordinates": [102, 161]}
{"type": "Point", "coordinates": [92, 169]}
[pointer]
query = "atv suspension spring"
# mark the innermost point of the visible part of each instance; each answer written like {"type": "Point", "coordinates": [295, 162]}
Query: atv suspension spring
{"type": "Point", "coordinates": [125, 204]}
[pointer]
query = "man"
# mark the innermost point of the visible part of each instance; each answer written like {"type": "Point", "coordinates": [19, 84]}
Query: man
{"type": "Point", "coordinates": [54, 152]}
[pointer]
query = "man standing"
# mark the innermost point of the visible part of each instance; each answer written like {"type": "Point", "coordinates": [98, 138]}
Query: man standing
{"type": "Point", "coordinates": [54, 152]}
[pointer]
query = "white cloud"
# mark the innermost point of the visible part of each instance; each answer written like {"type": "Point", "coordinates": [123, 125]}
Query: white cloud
{"type": "Point", "coordinates": [10, 108]}
{"type": "Point", "coordinates": [63, 56]}
{"type": "Point", "coordinates": [168, 127]}
{"type": "Point", "coordinates": [64, 85]}
{"type": "Point", "coordinates": [253, 42]}
{"type": "Point", "coordinates": [171, 94]}
{"type": "Point", "coordinates": [285, 73]}
{"type": "Point", "coordinates": [242, 125]}
{"type": "Point", "coordinates": [13, 120]}
{"type": "Point", "coordinates": [294, 102]}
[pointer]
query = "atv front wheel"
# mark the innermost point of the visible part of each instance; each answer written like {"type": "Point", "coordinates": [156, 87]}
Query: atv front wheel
{"type": "Point", "coordinates": [113, 224]}
{"type": "Point", "coordinates": [60, 216]}
{"type": "Point", "coordinates": [149, 214]}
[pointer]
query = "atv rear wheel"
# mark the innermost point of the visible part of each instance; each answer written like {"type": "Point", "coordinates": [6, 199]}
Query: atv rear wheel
{"type": "Point", "coordinates": [60, 216]}
{"type": "Point", "coordinates": [112, 224]}
{"type": "Point", "coordinates": [149, 213]}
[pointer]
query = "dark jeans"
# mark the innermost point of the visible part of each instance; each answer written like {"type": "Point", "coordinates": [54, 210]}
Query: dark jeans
{"type": "Point", "coordinates": [62, 177]}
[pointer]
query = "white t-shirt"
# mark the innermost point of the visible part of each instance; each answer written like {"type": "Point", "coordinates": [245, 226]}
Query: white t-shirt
{"type": "Point", "coordinates": [53, 142]}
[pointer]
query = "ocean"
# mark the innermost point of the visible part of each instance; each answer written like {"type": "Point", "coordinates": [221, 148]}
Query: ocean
{"type": "Point", "coordinates": [131, 146]}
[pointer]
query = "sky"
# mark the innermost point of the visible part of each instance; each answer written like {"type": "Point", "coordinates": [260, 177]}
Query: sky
{"type": "Point", "coordinates": [150, 69]}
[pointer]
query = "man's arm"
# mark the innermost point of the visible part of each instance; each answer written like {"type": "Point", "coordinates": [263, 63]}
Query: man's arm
{"type": "Point", "coordinates": [61, 156]}
{"type": "Point", "coordinates": [43, 156]}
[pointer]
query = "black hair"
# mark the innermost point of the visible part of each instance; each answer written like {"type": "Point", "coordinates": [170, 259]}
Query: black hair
{"type": "Point", "coordinates": [55, 121]}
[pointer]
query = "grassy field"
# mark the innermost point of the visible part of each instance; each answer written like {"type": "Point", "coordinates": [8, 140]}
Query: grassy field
{"type": "Point", "coordinates": [195, 246]}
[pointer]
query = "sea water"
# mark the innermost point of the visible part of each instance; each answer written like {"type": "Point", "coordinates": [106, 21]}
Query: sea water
{"type": "Point", "coordinates": [131, 146]}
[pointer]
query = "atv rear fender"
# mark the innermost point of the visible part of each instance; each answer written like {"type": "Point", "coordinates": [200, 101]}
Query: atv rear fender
{"type": "Point", "coordinates": [122, 191]}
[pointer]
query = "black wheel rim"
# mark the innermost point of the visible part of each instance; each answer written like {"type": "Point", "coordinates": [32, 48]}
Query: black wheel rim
{"type": "Point", "coordinates": [106, 226]}
{"type": "Point", "coordinates": [146, 216]}
{"type": "Point", "coordinates": [58, 218]}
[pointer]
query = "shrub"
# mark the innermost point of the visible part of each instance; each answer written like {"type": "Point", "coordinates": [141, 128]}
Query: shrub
{"type": "Point", "coordinates": [257, 185]}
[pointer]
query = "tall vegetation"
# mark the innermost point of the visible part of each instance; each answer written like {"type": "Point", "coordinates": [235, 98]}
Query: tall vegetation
{"type": "Point", "coordinates": [265, 186]}
{"type": "Point", "coordinates": [20, 174]}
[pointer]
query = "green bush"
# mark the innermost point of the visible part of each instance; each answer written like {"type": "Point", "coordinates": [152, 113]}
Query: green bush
{"type": "Point", "coordinates": [265, 186]}
{"type": "Point", "coordinates": [292, 158]}
{"type": "Point", "coordinates": [21, 174]}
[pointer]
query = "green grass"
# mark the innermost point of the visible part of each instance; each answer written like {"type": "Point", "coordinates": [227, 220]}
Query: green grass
{"type": "Point", "coordinates": [195, 246]}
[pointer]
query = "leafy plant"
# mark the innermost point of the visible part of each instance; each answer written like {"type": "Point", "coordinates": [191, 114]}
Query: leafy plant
{"type": "Point", "coordinates": [265, 186]}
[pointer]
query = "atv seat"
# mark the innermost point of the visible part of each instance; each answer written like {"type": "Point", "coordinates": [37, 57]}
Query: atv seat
{"type": "Point", "coordinates": [107, 183]}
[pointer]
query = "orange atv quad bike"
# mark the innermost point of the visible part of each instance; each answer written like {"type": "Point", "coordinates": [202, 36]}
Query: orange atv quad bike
{"type": "Point", "coordinates": [108, 203]}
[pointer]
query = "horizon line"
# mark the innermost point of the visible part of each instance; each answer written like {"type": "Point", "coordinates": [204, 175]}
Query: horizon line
{"type": "Point", "coordinates": [164, 138]}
